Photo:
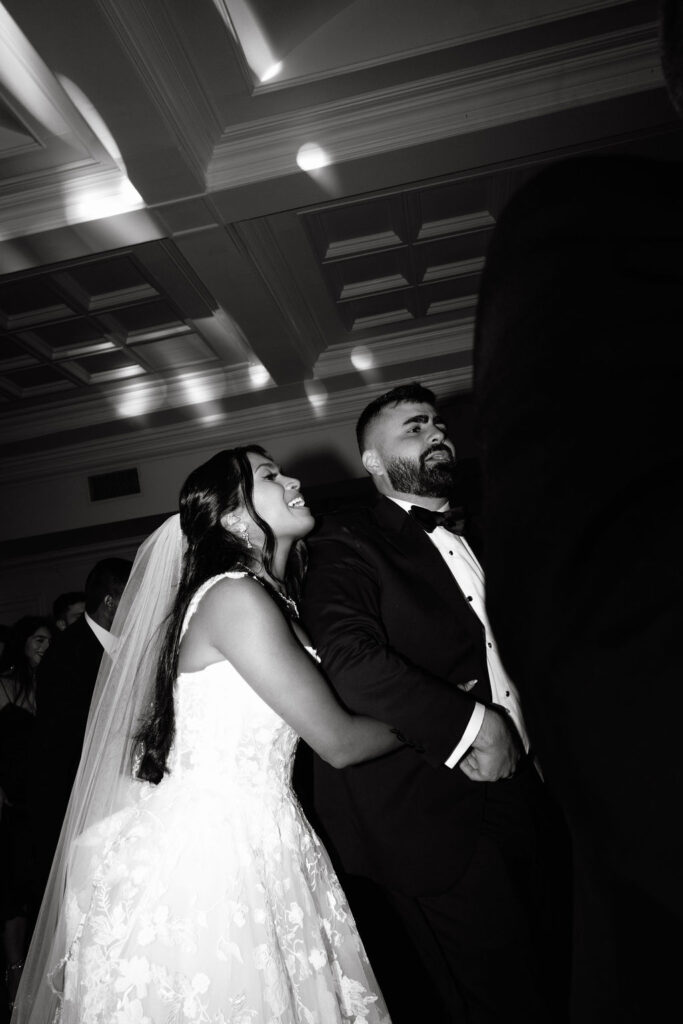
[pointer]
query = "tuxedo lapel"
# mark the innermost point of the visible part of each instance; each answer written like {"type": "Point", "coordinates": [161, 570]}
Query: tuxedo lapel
{"type": "Point", "coordinates": [407, 536]}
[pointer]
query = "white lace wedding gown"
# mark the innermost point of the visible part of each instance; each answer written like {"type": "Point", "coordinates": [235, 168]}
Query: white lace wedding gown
{"type": "Point", "coordinates": [211, 900]}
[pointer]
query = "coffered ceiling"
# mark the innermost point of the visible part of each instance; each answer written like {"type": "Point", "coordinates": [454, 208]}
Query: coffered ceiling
{"type": "Point", "coordinates": [169, 273]}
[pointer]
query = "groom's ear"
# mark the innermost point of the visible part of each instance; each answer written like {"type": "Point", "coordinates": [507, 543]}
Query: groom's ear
{"type": "Point", "coordinates": [372, 462]}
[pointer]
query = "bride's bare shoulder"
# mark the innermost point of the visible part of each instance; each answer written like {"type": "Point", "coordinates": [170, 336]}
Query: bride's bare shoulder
{"type": "Point", "coordinates": [237, 595]}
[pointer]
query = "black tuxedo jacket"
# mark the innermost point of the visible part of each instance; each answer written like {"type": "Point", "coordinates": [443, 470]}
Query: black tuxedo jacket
{"type": "Point", "coordinates": [579, 369]}
{"type": "Point", "coordinates": [396, 637]}
{"type": "Point", "coordinates": [65, 682]}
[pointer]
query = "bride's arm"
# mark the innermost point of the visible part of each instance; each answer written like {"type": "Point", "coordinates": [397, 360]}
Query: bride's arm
{"type": "Point", "coordinates": [241, 621]}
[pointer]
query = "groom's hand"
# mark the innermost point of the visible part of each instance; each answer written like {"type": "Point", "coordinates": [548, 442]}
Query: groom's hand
{"type": "Point", "coordinates": [496, 750]}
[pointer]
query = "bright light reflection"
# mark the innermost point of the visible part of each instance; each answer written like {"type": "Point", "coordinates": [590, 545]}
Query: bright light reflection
{"type": "Point", "coordinates": [137, 401]}
{"type": "Point", "coordinates": [24, 75]}
{"type": "Point", "coordinates": [246, 27]}
{"type": "Point", "coordinates": [259, 376]}
{"type": "Point", "coordinates": [211, 418]}
{"type": "Point", "coordinates": [316, 392]}
{"type": "Point", "coordinates": [93, 206]}
{"type": "Point", "coordinates": [272, 71]}
{"type": "Point", "coordinates": [118, 197]}
{"type": "Point", "coordinates": [311, 157]}
{"type": "Point", "coordinates": [92, 118]}
{"type": "Point", "coordinates": [362, 358]}
{"type": "Point", "coordinates": [196, 391]}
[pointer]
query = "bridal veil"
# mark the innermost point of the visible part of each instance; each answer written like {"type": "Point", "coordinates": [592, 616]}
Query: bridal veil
{"type": "Point", "coordinates": [105, 780]}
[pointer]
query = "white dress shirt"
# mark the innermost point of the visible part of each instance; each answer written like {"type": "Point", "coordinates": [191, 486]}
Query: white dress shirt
{"type": "Point", "coordinates": [463, 564]}
{"type": "Point", "coordinates": [102, 634]}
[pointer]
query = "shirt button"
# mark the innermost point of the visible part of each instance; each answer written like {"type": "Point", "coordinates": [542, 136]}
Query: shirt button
{"type": "Point", "coordinates": [489, 645]}
{"type": "Point", "coordinates": [507, 693]}
{"type": "Point", "coordinates": [450, 553]}
{"type": "Point", "coordinates": [470, 598]}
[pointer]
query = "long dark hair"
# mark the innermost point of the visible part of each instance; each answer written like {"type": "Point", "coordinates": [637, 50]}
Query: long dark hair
{"type": "Point", "coordinates": [15, 663]}
{"type": "Point", "coordinates": [218, 486]}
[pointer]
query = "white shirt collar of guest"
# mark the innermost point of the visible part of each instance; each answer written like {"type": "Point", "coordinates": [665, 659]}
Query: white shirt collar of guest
{"type": "Point", "coordinates": [102, 634]}
{"type": "Point", "coordinates": [407, 505]}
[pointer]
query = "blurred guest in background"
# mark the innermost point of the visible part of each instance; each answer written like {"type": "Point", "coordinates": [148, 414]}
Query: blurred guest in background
{"type": "Point", "coordinates": [30, 638]}
{"type": "Point", "coordinates": [578, 363]}
{"type": "Point", "coordinates": [5, 634]}
{"type": "Point", "coordinates": [65, 686]}
{"type": "Point", "coordinates": [67, 608]}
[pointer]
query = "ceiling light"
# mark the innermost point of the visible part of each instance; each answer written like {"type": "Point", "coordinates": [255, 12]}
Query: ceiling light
{"type": "Point", "coordinates": [137, 400]}
{"type": "Point", "coordinates": [316, 392]}
{"type": "Point", "coordinates": [272, 71]}
{"type": "Point", "coordinates": [259, 376]}
{"type": "Point", "coordinates": [93, 205]}
{"type": "Point", "coordinates": [196, 390]}
{"type": "Point", "coordinates": [362, 358]}
{"type": "Point", "coordinates": [311, 157]}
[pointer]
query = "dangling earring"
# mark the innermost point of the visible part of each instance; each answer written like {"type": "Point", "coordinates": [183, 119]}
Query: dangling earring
{"type": "Point", "coordinates": [239, 527]}
{"type": "Point", "coordinates": [243, 531]}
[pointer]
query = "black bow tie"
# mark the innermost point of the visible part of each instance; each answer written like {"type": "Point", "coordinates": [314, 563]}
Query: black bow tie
{"type": "Point", "coordinates": [452, 519]}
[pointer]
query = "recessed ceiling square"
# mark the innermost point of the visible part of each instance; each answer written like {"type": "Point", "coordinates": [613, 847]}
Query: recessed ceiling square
{"type": "Point", "coordinates": [68, 333]}
{"type": "Point", "coordinates": [38, 376]}
{"type": "Point", "coordinates": [172, 353]}
{"type": "Point", "coordinates": [115, 274]}
{"type": "Point", "coordinates": [107, 362]}
{"type": "Point", "coordinates": [31, 294]}
{"type": "Point", "coordinates": [10, 349]}
{"type": "Point", "coordinates": [147, 315]}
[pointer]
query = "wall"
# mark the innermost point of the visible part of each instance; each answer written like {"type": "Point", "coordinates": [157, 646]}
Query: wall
{"type": "Point", "coordinates": [52, 534]}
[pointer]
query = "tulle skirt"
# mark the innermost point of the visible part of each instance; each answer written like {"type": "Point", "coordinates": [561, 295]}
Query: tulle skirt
{"type": "Point", "coordinates": [194, 906]}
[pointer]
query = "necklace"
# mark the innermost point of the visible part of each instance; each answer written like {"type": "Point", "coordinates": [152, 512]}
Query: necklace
{"type": "Point", "coordinates": [288, 602]}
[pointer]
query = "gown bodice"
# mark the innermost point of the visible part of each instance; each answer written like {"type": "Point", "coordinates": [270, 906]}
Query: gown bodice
{"type": "Point", "coordinates": [226, 736]}
{"type": "Point", "coordinates": [209, 899]}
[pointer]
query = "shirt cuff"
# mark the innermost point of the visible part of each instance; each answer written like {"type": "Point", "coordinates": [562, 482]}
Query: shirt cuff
{"type": "Point", "coordinates": [469, 735]}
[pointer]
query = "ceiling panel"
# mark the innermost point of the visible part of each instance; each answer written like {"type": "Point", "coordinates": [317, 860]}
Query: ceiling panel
{"type": "Point", "coordinates": [146, 316]}
{"type": "Point", "coordinates": [11, 351]}
{"type": "Point", "coordinates": [34, 380]}
{"type": "Point", "coordinates": [422, 260]}
{"type": "Point", "coordinates": [236, 286]}
{"type": "Point", "coordinates": [188, 350]}
{"type": "Point", "coordinates": [67, 334]}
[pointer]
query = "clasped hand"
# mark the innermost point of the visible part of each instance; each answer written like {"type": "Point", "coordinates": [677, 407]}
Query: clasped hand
{"type": "Point", "coordinates": [496, 750]}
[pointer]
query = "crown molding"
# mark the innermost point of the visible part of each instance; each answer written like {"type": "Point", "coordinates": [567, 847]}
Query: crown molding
{"type": "Point", "coordinates": [446, 42]}
{"type": "Point", "coordinates": [64, 201]}
{"type": "Point", "coordinates": [93, 551]}
{"type": "Point", "coordinates": [266, 423]}
{"type": "Point", "coordinates": [497, 93]}
{"type": "Point", "coordinates": [80, 412]}
{"type": "Point", "coordinates": [156, 51]}
{"type": "Point", "coordinates": [400, 348]}
{"type": "Point", "coordinates": [69, 169]}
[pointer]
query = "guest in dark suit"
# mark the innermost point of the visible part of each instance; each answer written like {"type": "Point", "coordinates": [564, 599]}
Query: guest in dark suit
{"type": "Point", "coordinates": [65, 685]}
{"type": "Point", "coordinates": [579, 364]}
{"type": "Point", "coordinates": [445, 825]}
{"type": "Point", "coordinates": [68, 607]}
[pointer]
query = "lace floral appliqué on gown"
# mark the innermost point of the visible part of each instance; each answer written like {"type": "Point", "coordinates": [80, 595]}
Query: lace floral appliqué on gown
{"type": "Point", "coordinates": [210, 900]}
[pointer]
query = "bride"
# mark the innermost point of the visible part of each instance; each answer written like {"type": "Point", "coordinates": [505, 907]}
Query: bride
{"type": "Point", "coordinates": [188, 886]}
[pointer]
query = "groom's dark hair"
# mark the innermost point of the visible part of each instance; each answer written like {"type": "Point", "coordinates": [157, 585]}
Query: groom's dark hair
{"type": "Point", "coordinates": [413, 392]}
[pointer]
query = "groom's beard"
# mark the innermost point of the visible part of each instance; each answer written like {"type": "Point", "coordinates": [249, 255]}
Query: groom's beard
{"type": "Point", "coordinates": [423, 479]}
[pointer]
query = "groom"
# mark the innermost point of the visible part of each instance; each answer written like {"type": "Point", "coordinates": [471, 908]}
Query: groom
{"type": "Point", "coordinates": [394, 603]}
